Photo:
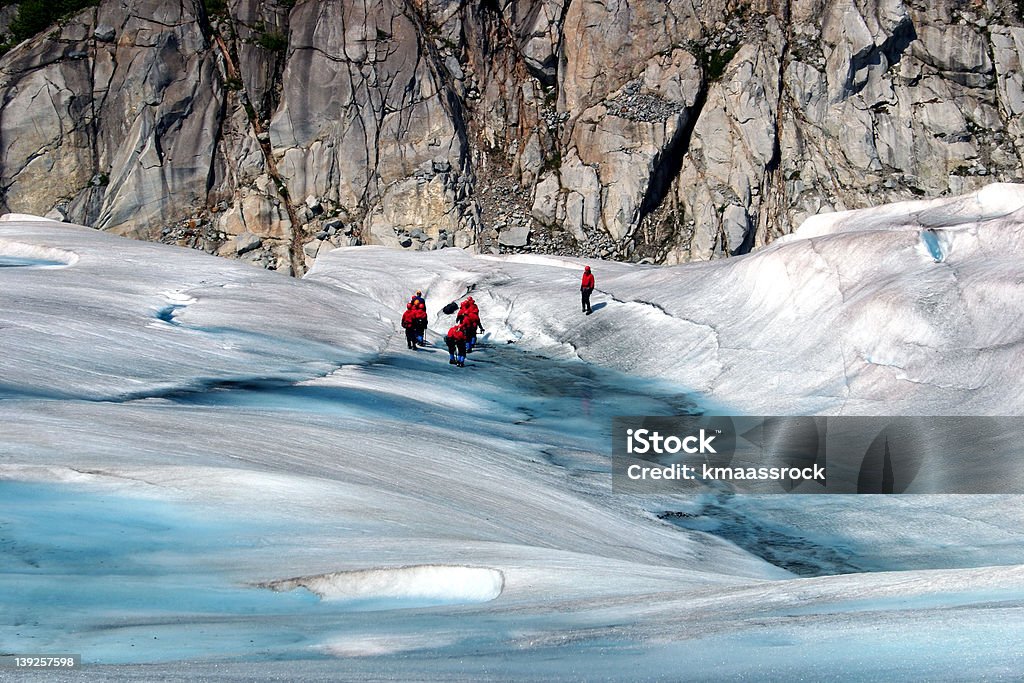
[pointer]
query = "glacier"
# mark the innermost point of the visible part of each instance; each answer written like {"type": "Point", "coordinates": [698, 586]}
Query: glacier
{"type": "Point", "coordinates": [209, 470]}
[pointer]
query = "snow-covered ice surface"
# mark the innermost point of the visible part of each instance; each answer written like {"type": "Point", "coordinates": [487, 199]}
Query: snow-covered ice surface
{"type": "Point", "coordinates": [210, 471]}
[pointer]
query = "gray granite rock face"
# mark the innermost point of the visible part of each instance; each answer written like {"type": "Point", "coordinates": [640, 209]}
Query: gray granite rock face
{"type": "Point", "coordinates": [664, 130]}
{"type": "Point", "coordinates": [120, 134]}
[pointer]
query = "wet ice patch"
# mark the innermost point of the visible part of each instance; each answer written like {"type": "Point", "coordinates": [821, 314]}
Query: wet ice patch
{"type": "Point", "coordinates": [936, 245]}
{"type": "Point", "coordinates": [167, 313]}
{"type": "Point", "coordinates": [175, 301]}
{"type": "Point", "coordinates": [800, 552]}
{"type": "Point", "coordinates": [415, 586]}
{"type": "Point", "coordinates": [829, 535]}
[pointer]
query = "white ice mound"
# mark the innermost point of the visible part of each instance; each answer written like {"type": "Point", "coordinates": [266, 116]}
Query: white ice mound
{"type": "Point", "coordinates": [991, 202]}
{"type": "Point", "coordinates": [445, 584]}
{"type": "Point", "coordinates": [24, 218]}
{"type": "Point", "coordinates": [36, 254]}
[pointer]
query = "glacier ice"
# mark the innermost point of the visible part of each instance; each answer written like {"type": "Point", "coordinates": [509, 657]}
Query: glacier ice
{"type": "Point", "coordinates": [245, 428]}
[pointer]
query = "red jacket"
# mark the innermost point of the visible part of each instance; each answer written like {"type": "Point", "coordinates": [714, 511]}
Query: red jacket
{"type": "Point", "coordinates": [470, 321]}
{"type": "Point", "coordinates": [588, 281]}
{"type": "Point", "coordinates": [420, 317]}
{"type": "Point", "coordinates": [408, 317]}
{"type": "Point", "coordinates": [456, 333]}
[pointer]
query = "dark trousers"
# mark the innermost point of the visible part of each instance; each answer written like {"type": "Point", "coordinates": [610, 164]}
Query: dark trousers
{"type": "Point", "coordinates": [586, 298]}
{"type": "Point", "coordinates": [410, 336]}
{"type": "Point", "coordinates": [454, 346]}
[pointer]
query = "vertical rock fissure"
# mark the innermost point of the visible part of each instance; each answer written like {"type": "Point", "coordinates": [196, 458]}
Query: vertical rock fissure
{"type": "Point", "coordinates": [298, 234]}
{"type": "Point", "coordinates": [774, 186]}
{"type": "Point", "coordinates": [211, 174]}
{"type": "Point", "coordinates": [669, 161]}
{"type": "Point", "coordinates": [454, 107]}
{"type": "Point", "coordinates": [369, 189]}
{"type": "Point", "coordinates": [93, 127]}
{"type": "Point", "coordinates": [1003, 108]}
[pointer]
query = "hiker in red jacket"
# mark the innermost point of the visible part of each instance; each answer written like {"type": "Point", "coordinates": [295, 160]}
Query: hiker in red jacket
{"type": "Point", "coordinates": [456, 341]}
{"type": "Point", "coordinates": [409, 323]}
{"type": "Point", "coordinates": [470, 324]}
{"type": "Point", "coordinates": [586, 287]}
{"type": "Point", "coordinates": [419, 320]}
{"type": "Point", "coordinates": [466, 306]}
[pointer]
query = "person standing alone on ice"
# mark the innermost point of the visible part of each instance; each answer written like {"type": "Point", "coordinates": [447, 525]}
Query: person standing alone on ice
{"type": "Point", "coordinates": [586, 287]}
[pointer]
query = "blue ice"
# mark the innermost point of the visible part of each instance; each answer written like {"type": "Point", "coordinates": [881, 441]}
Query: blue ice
{"type": "Point", "coordinates": [120, 580]}
{"type": "Point", "coordinates": [934, 245]}
{"type": "Point", "coordinates": [23, 262]}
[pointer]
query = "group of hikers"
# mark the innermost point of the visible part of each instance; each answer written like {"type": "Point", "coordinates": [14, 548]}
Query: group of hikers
{"type": "Point", "coordinates": [461, 337]}
{"type": "Point", "coordinates": [414, 320]}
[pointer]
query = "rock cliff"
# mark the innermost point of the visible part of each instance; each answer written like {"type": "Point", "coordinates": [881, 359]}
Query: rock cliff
{"type": "Point", "coordinates": [668, 130]}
